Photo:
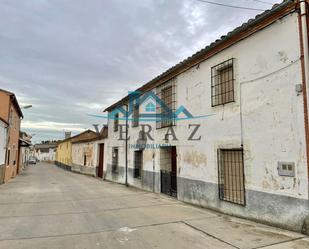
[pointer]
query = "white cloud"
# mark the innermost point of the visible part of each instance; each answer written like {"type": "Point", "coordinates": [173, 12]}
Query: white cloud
{"type": "Point", "coordinates": [75, 57]}
{"type": "Point", "coordinates": [52, 126]}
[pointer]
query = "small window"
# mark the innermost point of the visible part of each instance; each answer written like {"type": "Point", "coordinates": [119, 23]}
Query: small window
{"type": "Point", "coordinates": [135, 116]}
{"type": "Point", "coordinates": [85, 160]}
{"type": "Point", "coordinates": [116, 122]}
{"type": "Point", "coordinates": [138, 163]}
{"type": "Point", "coordinates": [166, 109]}
{"type": "Point", "coordinates": [222, 83]}
{"type": "Point", "coordinates": [231, 176]}
{"type": "Point", "coordinates": [115, 160]}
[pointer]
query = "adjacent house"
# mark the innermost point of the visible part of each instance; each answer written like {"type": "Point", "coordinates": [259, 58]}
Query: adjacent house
{"type": "Point", "coordinates": [24, 150]}
{"type": "Point", "coordinates": [64, 148]}
{"type": "Point", "coordinates": [231, 124]}
{"type": "Point", "coordinates": [88, 154]}
{"type": "Point", "coordinates": [10, 113]}
{"type": "Point", "coordinates": [46, 152]}
{"type": "Point", "coordinates": [3, 142]}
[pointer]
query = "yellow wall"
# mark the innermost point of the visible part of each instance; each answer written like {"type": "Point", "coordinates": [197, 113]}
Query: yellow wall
{"type": "Point", "coordinates": [64, 152]}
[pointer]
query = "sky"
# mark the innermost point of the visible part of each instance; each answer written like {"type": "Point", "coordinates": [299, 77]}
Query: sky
{"type": "Point", "coordinates": [72, 58]}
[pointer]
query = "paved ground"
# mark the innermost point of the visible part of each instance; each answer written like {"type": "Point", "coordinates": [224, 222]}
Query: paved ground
{"type": "Point", "coordinates": [47, 207]}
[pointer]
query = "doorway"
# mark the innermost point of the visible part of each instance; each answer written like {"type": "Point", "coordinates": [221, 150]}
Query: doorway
{"type": "Point", "coordinates": [101, 161]}
{"type": "Point", "coordinates": [168, 166]}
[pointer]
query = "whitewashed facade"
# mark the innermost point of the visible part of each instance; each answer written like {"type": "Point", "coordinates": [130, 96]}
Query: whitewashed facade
{"type": "Point", "coordinates": [45, 152]}
{"type": "Point", "coordinates": [264, 123]}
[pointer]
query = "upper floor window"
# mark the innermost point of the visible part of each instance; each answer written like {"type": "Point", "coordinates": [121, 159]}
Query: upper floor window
{"type": "Point", "coordinates": [116, 121]}
{"type": "Point", "coordinates": [135, 116]}
{"type": "Point", "coordinates": [166, 109]}
{"type": "Point", "coordinates": [222, 83]}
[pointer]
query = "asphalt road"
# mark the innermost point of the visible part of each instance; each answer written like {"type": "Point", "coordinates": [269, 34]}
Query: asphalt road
{"type": "Point", "coordinates": [47, 207]}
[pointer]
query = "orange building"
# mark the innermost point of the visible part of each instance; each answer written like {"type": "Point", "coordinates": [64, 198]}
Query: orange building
{"type": "Point", "coordinates": [11, 113]}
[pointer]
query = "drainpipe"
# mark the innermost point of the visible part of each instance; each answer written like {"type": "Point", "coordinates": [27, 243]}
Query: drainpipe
{"type": "Point", "coordinates": [126, 146]}
{"type": "Point", "coordinates": [303, 30]}
{"type": "Point", "coordinates": [303, 13]}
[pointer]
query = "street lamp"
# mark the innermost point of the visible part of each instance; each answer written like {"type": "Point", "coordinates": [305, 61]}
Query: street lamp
{"type": "Point", "coordinates": [26, 107]}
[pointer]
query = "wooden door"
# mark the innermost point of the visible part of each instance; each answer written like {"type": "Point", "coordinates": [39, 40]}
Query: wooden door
{"type": "Point", "coordinates": [101, 161]}
{"type": "Point", "coordinates": [174, 159]}
{"type": "Point", "coordinates": [174, 171]}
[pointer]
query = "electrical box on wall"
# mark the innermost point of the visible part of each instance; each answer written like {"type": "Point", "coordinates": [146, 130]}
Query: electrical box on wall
{"type": "Point", "coordinates": [286, 169]}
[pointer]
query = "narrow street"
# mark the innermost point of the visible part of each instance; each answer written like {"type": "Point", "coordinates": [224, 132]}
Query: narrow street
{"type": "Point", "coordinates": [47, 207]}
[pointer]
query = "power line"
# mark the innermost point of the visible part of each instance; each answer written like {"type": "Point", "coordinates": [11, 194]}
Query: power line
{"type": "Point", "coordinates": [259, 1]}
{"type": "Point", "coordinates": [230, 6]}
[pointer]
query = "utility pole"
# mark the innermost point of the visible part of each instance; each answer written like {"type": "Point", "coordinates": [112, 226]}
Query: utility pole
{"type": "Point", "coordinates": [126, 146]}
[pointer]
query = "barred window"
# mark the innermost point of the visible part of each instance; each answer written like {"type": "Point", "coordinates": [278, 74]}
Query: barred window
{"type": "Point", "coordinates": [135, 116]}
{"type": "Point", "coordinates": [165, 110]}
{"type": "Point", "coordinates": [138, 163]}
{"type": "Point", "coordinates": [114, 160]}
{"type": "Point", "coordinates": [116, 122]}
{"type": "Point", "coordinates": [222, 83]}
{"type": "Point", "coordinates": [231, 176]}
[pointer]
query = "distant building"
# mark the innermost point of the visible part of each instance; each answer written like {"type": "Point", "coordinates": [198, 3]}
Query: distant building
{"type": "Point", "coordinates": [11, 113]}
{"type": "Point", "coordinates": [45, 152]}
{"type": "Point", "coordinates": [24, 150]}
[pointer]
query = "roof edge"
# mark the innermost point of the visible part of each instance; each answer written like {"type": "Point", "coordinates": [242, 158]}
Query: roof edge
{"type": "Point", "coordinates": [278, 11]}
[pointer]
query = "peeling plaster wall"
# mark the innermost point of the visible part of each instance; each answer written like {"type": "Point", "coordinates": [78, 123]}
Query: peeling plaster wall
{"type": "Point", "coordinates": [267, 67]}
{"type": "Point", "coordinates": [91, 150]}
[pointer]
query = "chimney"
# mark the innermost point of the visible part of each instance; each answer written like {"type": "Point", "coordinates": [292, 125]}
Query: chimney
{"type": "Point", "coordinates": [67, 134]}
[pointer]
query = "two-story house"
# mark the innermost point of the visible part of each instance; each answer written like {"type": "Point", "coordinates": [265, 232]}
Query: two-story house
{"type": "Point", "coordinates": [231, 124]}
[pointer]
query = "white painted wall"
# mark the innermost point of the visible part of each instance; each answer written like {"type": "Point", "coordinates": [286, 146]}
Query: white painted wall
{"type": "Point", "coordinates": [46, 156]}
{"type": "Point", "coordinates": [3, 141]}
{"type": "Point", "coordinates": [267, 68]}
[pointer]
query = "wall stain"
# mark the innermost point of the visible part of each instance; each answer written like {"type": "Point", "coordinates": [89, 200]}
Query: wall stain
{"type": "Point", "coordinates": [195, 158]}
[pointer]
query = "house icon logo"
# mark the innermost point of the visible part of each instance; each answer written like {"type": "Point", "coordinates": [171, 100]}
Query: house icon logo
{"type": "Point", "coordinates": [150, 109]}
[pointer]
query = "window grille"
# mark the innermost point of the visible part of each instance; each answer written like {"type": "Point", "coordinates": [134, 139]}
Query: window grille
{"type": "Point", "coordinates": [165, 110]}
{"type": "Point", "coordinates": [231, 176]}
{"type": "Point", "coordinates": [135, 116]}
{"type": "Point", "coordinates": [115, 160]}
{"type": "Point", "coordinates": [138, 163]}
{"type": "Point", "coordinates": [116, 122]}
{"type": "Point", "coordinates": [222, 83]}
